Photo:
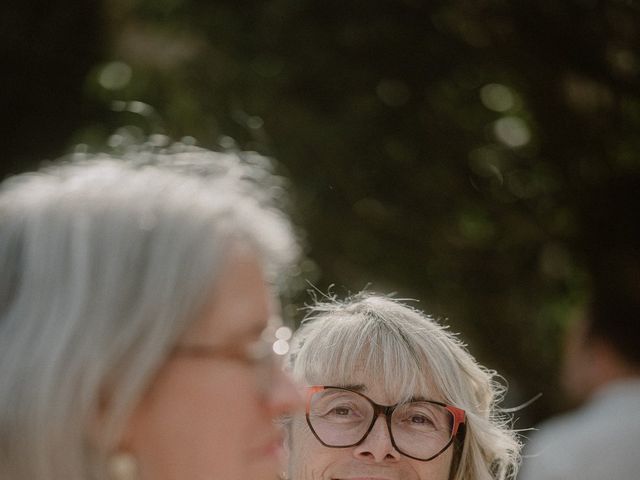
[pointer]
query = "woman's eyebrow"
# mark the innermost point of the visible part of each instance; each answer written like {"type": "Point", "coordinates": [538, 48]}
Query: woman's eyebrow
{"type": "Point", "coordinates": [419, 398]}
{"type": "Point", "coordinates": [356, 388]}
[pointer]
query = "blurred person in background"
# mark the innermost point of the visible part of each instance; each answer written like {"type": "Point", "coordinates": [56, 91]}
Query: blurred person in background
{"type": "Point", "coordinates": [135, 311]}
{"type": "Point", "coordinates": [600, 439]}
{"type": "Point", "coordinates": [392, 395]}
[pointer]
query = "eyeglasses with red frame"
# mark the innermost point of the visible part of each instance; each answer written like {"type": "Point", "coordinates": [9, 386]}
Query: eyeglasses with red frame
{"type": "Point", "coordinates": [421, 429]}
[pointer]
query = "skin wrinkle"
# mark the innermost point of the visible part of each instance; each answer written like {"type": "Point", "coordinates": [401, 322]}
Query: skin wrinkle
{"type": "Point", "coordinates": [311, 460]}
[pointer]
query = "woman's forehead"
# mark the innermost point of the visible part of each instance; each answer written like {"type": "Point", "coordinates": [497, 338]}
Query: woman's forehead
{"type": "Point", "coordinates": [240, 305]}
{"type": "Point", "coordinates": [384, 387]}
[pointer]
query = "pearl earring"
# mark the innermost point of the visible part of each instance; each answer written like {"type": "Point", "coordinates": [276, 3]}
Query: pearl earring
{"type": "Point", "coordinates": [123, 466]}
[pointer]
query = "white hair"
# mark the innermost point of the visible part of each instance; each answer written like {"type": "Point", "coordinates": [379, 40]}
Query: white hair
{"type": "Point", "coordinates": [380, 339]}
{"type": "Point", "coordinates": [105, 262]}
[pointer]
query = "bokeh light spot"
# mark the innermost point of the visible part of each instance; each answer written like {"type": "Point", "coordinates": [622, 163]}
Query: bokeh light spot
{"type": "Point", "coordinates": [496, 97]}
{"type": "Point", "coordinates": [283, 333]}
{"type": "Point", "coordinates": [159, 140]}
{"type": "Point", "coordinates": [255, 123]}
{"type": "Point", "coordinates": [512, 131]}
{"type": "Point", "coordinates": [115, 75]}
{"type": "Point", "coordinates": [281, 347]}
{"type": "Point", "coordinates": [189, 140]}
{"type": "Point", "coordinates": [226, 142]}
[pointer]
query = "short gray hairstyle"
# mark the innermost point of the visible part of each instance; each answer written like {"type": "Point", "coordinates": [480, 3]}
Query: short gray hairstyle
{"type": "Point", "coordinates": [407, 352]}
{"type": "Point", "coordinates": [105, 261]}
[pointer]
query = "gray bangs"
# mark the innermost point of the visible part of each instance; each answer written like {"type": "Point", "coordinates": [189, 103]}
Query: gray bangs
{"type": "Point", "coordinates": [362, 349]}
{"type": "Point", "coordinates": [377, 341]}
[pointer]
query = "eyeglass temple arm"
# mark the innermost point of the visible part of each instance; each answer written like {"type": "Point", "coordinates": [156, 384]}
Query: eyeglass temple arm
{"type": "Point", "coordinates": [459, 417]}
{"type": "Point", "coordinates": [310, 392]}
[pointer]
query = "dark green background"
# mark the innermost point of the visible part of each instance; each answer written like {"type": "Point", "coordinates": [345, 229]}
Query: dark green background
{"type": "Point", "coordinates": [438, 149]}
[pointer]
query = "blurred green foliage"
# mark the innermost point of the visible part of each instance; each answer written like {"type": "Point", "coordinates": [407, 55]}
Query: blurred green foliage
{"type": "Point", "coordinates": [437, 149]}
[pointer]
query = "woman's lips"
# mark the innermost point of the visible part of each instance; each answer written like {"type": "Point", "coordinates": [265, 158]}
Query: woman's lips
{"type": "Point", "coordinates": [387, 475]}
{"type": "Point", "coordinates": [364, 477]}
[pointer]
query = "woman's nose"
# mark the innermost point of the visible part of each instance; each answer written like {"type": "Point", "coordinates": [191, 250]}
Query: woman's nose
{"type": "Point", "coordinates": [377, 446]}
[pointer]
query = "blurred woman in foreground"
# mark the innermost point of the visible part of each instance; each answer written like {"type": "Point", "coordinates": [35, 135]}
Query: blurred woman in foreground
{"type": "Point", "coordinates": [391, 395]}
{"type": "Point", "coordinates": [135, 311]}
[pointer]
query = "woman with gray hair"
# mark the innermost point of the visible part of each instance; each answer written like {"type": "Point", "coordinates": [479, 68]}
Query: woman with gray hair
{"type": "Point", "coordinates": [392, 395]}
{"type": "Point", "coordinates": [135, 317]}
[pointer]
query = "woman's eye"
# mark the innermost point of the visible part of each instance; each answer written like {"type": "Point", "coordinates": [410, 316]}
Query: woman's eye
{"type": "Point", "coordinates": [343, 411]}
{"type": "Point", "coordinates": [419, 419]}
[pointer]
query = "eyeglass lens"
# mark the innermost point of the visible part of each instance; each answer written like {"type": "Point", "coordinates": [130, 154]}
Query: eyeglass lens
{"type": "Point", "coordinates": [342, 418]}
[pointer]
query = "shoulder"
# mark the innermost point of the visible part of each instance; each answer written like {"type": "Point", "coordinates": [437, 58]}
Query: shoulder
{"type": "Point", "coordinates": [587, 443]}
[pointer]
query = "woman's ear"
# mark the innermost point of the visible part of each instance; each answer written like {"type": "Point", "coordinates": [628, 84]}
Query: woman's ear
{"type": "Point", "coordinates": [121, 463]}
{"type": "Point", "coordinates": [101, 431]}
